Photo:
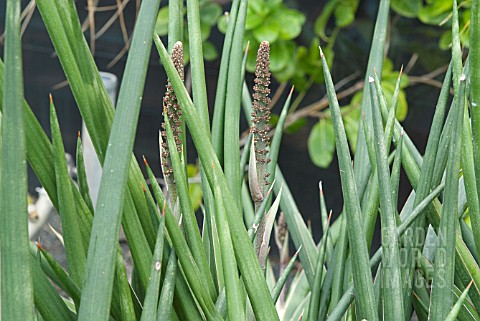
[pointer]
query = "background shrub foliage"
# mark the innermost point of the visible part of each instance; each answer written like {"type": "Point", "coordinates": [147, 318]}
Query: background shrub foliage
{"type": "Point", "coordinates": [219, 267]}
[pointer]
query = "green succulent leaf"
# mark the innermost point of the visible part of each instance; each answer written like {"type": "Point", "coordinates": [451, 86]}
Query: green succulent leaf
{"type": "Point", "coordinates": [345, 12]}
{"type": "Point", "coordinates": [269, 30]}
{"type": "Point", "coordinates": [291, 22]}
{"type": "Point", "coordinates": [321, 143]}
{"type": "Point", "coordinates": [408, 9]}
{"type": "Point", "coordinates": [280, 54]}
{"type": "Point", "coordinates": [209, 51]}
{"type": "Point", "coordinates": [254, 20]}
{"type": "Point", "coordinates": [351, 126]}
{"type": "Point", "coordinates": [161, 26]}
{"type": "Point", "coordinates": [209, 13]}
{"type": "Point", "coordinates": [435, 11]}
{"type": "Point", "coordinates": [222, 23]}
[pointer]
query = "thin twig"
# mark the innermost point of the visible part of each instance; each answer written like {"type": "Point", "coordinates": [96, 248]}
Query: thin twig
{"type": "Point", "coordinates": [411, 63]}
{"type": "Point", "coordinates": [91, 18]}
{"type": "Point", "coordinates": [30, 9]}
{"type": "Point", "coordinates": [122, 24]}
{"type": "Point", "coordinates": [112, 19]}
{"type": "Point", "coordinates": [277, 95]}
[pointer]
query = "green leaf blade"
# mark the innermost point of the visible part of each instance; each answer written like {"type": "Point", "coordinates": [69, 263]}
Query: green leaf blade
{"type": "Point", "coordinates": [360, 258]}
{"type": "Point", "coordinates": [15, 267]}
{"type": "Point", "coordinates": [74, 246]}
{"type": "Point", "coordinates": [96, 296]}
{"type": "Point", "coordinates": [391, 273]}
{"type": "Point", "coordinates": [321, 143]}
{"type": "Point", "coordinates": [246, 258]}
{"type": "Point", "coordinates": [442, 286]}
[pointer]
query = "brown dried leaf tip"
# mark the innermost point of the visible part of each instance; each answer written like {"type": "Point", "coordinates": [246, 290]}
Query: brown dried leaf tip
{"type": "Point", "coordinates": [261, 111]}
{"type": "Point", "coordinates": [171, 108]}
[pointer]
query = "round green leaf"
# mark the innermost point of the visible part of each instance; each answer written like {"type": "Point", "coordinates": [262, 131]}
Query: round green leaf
{"type": "Point", "coordinates": [351, 125]}
{"type": "Point", "coordinates": [267, 31]}
{"type": "Point", "coordinates": [291, 23]}
{"type": "Point", "coordinates": [407, 9]}
{"type": "Point", "coordinates": [281, 54]}
{"type": "Point", "coordinates": [209, 13]}
{"type": "Point", "coordinates": [321, 143]}
{"type": "Point", "coordinates": [161, 26]}
{"type": "Point", "coordinates": [445, 41]}
{"type": "Point", "coordinates": [345, 13]}
{"type": "Point", "coordinates": [402, 105]}
{"type": "Point", "coordinates": [222, 23]}
{"type": "Point", "coordinates": [258, 7]}
{"type": "Point", "coordinates": [435, 12]}
{"type": "Point", "coordinates": [205, 30]}
{"type": "Point", "coordinates": [253, 20]}
{"type": "Point", "coordinates": [209, 51]}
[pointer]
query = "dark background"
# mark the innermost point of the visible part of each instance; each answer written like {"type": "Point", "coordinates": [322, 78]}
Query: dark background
{"type": "Point", "coordinates": [43, 74]}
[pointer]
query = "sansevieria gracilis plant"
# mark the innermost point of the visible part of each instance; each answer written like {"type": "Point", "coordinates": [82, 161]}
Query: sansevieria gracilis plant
{"type": "Point", "coordinates": [219, 268]}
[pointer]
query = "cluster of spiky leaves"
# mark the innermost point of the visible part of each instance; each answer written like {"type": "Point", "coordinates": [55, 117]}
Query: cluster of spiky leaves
{"type": "Point", "coordinates": [172, 112]}
{"type": "Point", "coordinates": [261, 113]}
{"type": "Point", "coordinates": [213, 273]}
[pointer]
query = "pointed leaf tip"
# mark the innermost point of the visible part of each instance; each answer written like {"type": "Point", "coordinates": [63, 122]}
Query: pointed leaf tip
{"type": "Point", "coordinates": [79, 134]}
{"type": "Point", "coordinates": [50, 97]}
{"type": "Point", "coordinates": [291, 91]}
{"type": "Point", "coordinates": [145, 160]}
{"type": "Point", "coordinates": [298, 251]}
{"type": "Point", "coordinates": [164, 208]}
{"type": "Point", "coordinates": [39, 245]}
{"type": "Point", "coordinates": [321, 52]}
{"type": "Point", "coordinates": [469, 285]}
{"type": "Point", "coordinates": [330, 216]}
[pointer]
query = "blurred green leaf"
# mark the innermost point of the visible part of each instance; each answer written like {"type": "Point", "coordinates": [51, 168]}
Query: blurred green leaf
{"type": "Point", "coordinates": [350, 120]}
{"type": "Point", "coordinates": [269, 30]}
{"type": "Point", "coordinates": [205, 30]}
{"type": "Point", "coordinates": [445, 41]}
{"type": "Point", "coordinates": [258, 7]}
{"type": "Point", "coordinates": [435, 11]}
{"type": "Point", "coordinates": [161, 26]}
{"type": "Point", "coordinates": [209, 13]}
{"type": "Point", "coordinates": [209, 51]}
{"type": "Point", "coordinates": [272, 4]}
{"type": "Point", "coordinates": [322, 19]}
{"type": "Point", "coordinates": [402, 105]}
{"type": "Point", "coordinates": [253, 19]}
{"type": "Point", "coordinates": [291, 22]}
{"type": "Point", "coordinates": [345, 12]}
{"type": "Point", "coordinates": [281, 54]}
{"type": "Point", "coordinates": [296, 126]}
{"type": "Point", "coordinates": [222, 23]}
{"type": "Point", "coordinates": [407, 8]}
{"type": "Point", "coordinates": [321, 143]}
